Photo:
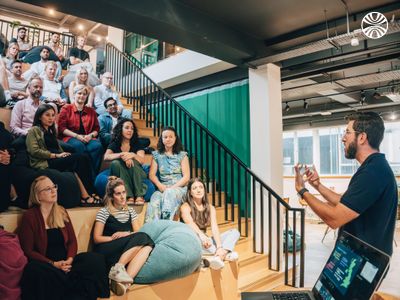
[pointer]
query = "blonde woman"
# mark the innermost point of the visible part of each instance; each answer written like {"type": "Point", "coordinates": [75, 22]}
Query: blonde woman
{"type": "Point", "coordinates": [82, 77]}
{"type": "Point", "coordinates": [48, 241]}
{"type": "Point", "coordinates": [199, 214]}
{"type": "Point", "coordinates": [116, 237]}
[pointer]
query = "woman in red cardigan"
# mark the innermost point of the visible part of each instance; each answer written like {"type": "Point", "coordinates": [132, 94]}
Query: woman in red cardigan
{"type": "Point", "coordinates": [79, 127]}
{"type": "Point", "coordinates": [48, 240]}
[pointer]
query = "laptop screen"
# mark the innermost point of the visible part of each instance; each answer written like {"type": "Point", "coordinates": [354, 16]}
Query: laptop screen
{"type": "Point", "coordinates": [353, 270]}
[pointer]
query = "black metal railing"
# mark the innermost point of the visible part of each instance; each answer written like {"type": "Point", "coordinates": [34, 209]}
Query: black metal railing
{"type": "Point", "coordinates": [36, 35]}
{"type": "Point", "coordinates": [246, 198]}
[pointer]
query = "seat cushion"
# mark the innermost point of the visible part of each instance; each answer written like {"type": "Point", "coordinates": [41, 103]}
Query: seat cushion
{"type": "Point", "coordinates": [177, 252]}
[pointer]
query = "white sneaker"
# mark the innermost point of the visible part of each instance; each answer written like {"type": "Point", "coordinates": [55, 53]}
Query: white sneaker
{"type": "Point", "coordinates": [232, 256]}
{"type": "Point", "coordinates": [216, 263]}
{"type": "Point", "coordinates": [119, 274]}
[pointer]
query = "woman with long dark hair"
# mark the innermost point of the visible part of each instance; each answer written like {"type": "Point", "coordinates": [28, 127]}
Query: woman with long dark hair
{"type": "Point", "coordinates": [116, 237]}
{"type": "Point", "coordinates": [45, 152]}
{"type": "Point", "coordinates": [127, 157]}
{"type": "Point", "coordinates": [170, 172]}
{"type": "Point", "coordinates": [47, 237]}
{"type": "Point", "coordinates": [199, 214]}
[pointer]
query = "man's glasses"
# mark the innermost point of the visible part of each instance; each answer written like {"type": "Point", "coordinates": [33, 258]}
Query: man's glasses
{"type": "Point", "coordinates": [49, 189]}
{"type": "Point", "coordinates": [111, 104]}
{"type": "Point", "coordinates": [347, 132]}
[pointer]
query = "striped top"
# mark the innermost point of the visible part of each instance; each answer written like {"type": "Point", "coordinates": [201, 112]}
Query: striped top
{"type": "Point", "coordinates": [121, 215]}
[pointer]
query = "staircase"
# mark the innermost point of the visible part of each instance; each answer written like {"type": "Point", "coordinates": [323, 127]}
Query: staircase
{"type": "Point", "coordinates": [252, 269]}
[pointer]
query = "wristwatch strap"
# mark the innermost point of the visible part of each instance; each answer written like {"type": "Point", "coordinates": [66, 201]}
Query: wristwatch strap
{"type": "Point", "coordinates": [302, 191]}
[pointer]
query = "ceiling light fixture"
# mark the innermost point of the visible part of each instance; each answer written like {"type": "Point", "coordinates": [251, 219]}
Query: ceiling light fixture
{"type": "Point", "coordinates": [362, 97]}
{"type": "Point", "coordinates": [393, 116]}
{"type": "Point", "coordinates": [80, 27]}
{"type": "Point", "coordinates": [354, 42]}
{"type": "Point", "coordinates": [98, 39]}
{"type": "Point", "coordinates": [51, 11]}
{"type": "Point", "coordinates": [305, 105]}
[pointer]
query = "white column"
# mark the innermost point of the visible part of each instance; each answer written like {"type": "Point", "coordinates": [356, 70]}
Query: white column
{"type": "Point", "coordinates": [116, 37]}
{"type": "Point", "coordinates": [266, 145]}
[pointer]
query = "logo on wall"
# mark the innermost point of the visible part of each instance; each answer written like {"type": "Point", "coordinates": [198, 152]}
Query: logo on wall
{"type": "Point", "coordinates": [374, 25]}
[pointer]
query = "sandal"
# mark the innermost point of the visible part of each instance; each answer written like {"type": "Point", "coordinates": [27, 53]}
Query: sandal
{"type": "Point", "coordinates": [139, 201]}
{"type": "Point", "coordinates": [130, 201]}
{"type": "Point", "coordinates": [85, 202]}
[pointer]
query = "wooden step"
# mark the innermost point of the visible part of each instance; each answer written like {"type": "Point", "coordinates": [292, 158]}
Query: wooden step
{"type": "Point", "coordinates": [146, 132]}
{"type": "Point", "coordinates": [204, 284]}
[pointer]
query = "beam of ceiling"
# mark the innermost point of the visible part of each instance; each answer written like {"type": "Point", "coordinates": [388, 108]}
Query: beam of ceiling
{"type": "Point", "coordinates": [64, 20]}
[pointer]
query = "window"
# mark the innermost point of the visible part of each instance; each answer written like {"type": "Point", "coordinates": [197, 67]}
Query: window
{"type": "Point", "coordinates": [288, 154]}
{"type": "Point", "coordinates": [328, 148]}
{"type": "Point", "coordinates": [305, 147]}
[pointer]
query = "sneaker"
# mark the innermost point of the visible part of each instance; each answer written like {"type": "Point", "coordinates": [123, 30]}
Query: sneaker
{"type": "Point", "coordinates": [232, 256]}
{"type": "Point", "coordinates": [117, 288]}
{"type": "Point", "coordinates": [216, 263]}
{"type": "Point", "coordinates": [119, 274]}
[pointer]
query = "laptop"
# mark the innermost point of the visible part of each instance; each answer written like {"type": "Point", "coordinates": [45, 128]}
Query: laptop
{"type": "Point", "coordinates": [354, 270]}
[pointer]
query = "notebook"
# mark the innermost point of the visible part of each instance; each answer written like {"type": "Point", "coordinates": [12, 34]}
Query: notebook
{"type": "Point", "coordinates": [354, 270]}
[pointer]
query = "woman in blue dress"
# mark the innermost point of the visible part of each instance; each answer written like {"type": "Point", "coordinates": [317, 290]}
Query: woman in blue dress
{"type": "Point", "coordinates": [170, 172]}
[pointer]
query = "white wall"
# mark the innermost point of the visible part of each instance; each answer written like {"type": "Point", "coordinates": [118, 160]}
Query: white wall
{"type": "Point", "coordinates": [184, 66]}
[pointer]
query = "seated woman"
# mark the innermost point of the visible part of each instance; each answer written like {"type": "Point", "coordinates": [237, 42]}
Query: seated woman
{"type": "Point", "coordinates": [116, 238]}
{"type": "Point", "coordinates": [82, 77]}
{"type": "Point", "coordinates": [5, 65]}
{"type": "Point", "coordinates": [53, 90]}
{"type": "Point", "coordinates": [48, 240]}
{"type": "Point", "coordinates": [127, 158]}
{"type": "Point", "coordinates": [11, 54]}
{"type": "Point", "coordinates": [172, 165]}
{"type": "Point", "coordinates": [45, 152]}
{"type": "Point", "coordinates": [79, 127]}
{"type": "Point", "coordinates": [198, 213]}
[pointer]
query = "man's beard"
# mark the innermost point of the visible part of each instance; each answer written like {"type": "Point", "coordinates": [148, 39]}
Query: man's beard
{"type": "Point", "coordinates": [36, 94]}
{"type": "Point", "coordinates": [351, 151]}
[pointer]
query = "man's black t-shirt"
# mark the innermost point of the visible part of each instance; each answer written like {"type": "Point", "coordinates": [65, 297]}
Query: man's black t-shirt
{"type": "Point", "coordinates": [79, 53]}
{"type": "Point", "coordinates": [372, 193]}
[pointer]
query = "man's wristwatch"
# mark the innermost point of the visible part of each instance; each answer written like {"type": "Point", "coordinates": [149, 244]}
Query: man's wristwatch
{"type": "Point", "coordinates": [302, 191]}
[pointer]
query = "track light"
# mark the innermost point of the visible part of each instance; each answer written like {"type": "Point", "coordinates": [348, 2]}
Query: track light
{"type": "Point", "coordinates": [393, 116]}
{"type": "Point", "coordinates": [305, 105]}
{"type": "Point", "coordinates": [287, 107]}
{"type": "Point", "coordinates": [354, 42]}
{"type": "Point", "coordinates": [362, 97]}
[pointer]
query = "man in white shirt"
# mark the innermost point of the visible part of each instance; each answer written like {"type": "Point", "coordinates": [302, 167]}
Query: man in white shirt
{"type": "Point", "coordinates": [38, 67]}
{"type": "Point", "coordinates": [104, 91]}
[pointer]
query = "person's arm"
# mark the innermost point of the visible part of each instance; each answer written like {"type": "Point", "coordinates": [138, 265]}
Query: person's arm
{"type": "Point", "coordinates": [333, 215]}
{"type": "Point", "coordinates": [16, 119]}
{"type": "Point", "coordinates": [185, 173]}
{"type": "Point", "coordinates": [139, 156]}
{"type": "Point", "coordinates": [110, 155]}
{"type": "Point", "coordinates": [98, 236]}
{"type": "Point", "coordinates": [135, 225]}
{"type": "Point", "coordinates": [187, 218]}
{"type": "Point", "coordinates": [314, 180]}
{"type": "Point", "coordinates": [90, 98]}
{"type": "Point", "coordinates": [74, 60]}
{"type": "Point", "coordinates": [32, 145]}
{"type": "Point", "coordinates": [153, 176]}
{"type": "Point", "coordinates": [27, 237]}
{"type": "Point", "coordinates": [71, 91]}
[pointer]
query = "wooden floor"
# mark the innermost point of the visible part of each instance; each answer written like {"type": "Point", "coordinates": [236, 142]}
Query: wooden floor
{"type": "Point", "coordinates": [317, 254]}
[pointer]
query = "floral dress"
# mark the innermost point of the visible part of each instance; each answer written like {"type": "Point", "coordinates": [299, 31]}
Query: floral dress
{"type": "Point", "coordinates": [164, 205]}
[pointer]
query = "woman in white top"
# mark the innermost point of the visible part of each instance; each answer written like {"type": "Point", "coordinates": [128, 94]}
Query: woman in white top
{"type": "Point", "coordinates": [199, 214]}
{"type": "Point", "coordinates": [82, 77]}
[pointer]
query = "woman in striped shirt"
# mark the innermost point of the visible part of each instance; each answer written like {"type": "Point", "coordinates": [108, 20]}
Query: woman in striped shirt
{"type": "Point", "coordinates": [115, 235]}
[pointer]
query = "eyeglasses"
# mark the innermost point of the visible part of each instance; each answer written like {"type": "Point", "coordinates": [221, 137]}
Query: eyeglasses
{"type": "Point", "coordinates": [347, 132]}
{"type": "Point", "coordinates": [111, 104]}
{"type": "Point", "coordinates": [49, 189]}
{"type": "Point", "coordinates": [109, 78]}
